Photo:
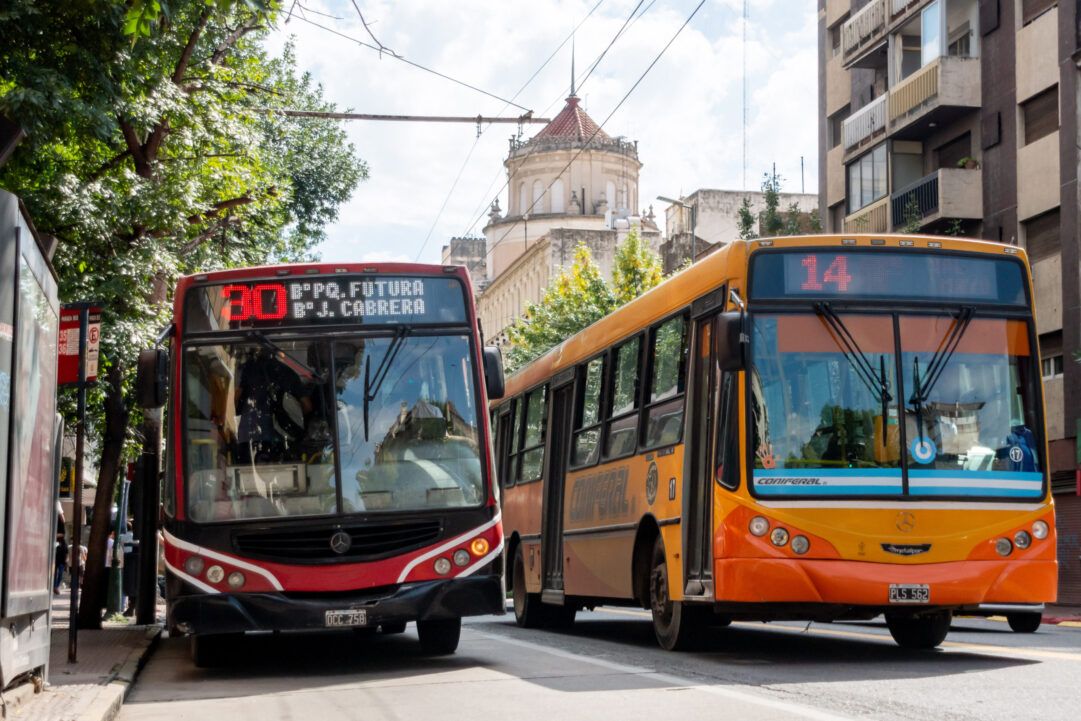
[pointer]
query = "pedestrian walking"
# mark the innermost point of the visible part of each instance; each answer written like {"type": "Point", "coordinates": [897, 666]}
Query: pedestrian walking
{"type": "Point", "coordinates": [61, 561]}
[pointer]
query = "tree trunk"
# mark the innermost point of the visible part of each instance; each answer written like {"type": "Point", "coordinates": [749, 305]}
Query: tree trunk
{"type": "Point", "coordinates": [95, 583]}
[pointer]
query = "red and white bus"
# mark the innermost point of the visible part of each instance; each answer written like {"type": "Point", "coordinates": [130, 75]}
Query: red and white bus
{"type": "Point", "coordinates": [328, 459]}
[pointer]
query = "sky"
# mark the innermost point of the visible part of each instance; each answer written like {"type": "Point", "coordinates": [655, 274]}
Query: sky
{"type": "Point", "coordinates": [431, 182]}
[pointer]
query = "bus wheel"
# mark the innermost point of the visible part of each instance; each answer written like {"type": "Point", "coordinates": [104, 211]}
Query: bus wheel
{"type": "Point", "coordinates": [438, 638]}
{"type": "Point", "coordinates": [389, 628]}
{"type": "Point", "coordinates": [1024, 622]}
{"type": "Point", "coordinates": [209, 651]}
{"type": "Point", "coordinates": [675, 624]}
{"type": "Point", "coordinates": [528, 610]}
{"type": "Point", "coordinates": [925, 631]}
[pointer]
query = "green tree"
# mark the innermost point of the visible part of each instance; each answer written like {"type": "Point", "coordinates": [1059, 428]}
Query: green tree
{"type": "Point", "coordinates": [747, 221]}
{"type": "Point", "coordinates": [772, 221]}
{"type": "Point", "coordinates": [636, 268]}
{"type": "Point", "coordinates": [149, 156]}
{"type": "Point", "coordinates": [576, 298]}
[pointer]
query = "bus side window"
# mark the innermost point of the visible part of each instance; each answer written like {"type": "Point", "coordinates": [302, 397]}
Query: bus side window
{"type": "Point", "coordinates": [503, 438]}
{"type": "Point", "coordinates": [587, 414]}
{"type": "Point", "coordinates": [727, 443]}
{"type": "Point", "coordinates": [667, 384]}
{"type": "Point", "coordinates": [534, 418]}
{"type": "Point", "coordinates": [621, 428]}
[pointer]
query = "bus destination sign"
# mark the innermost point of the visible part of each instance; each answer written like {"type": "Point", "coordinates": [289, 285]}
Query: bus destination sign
{"type": "Point", "coordinates": [322, 300]}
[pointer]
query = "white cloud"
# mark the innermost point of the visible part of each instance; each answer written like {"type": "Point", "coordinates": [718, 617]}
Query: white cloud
{"type": "Point", "coordinates": [686, 114]}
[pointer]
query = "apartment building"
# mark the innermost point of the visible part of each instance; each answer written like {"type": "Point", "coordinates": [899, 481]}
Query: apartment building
{"type": "Point", "coordinates": [961, 117]}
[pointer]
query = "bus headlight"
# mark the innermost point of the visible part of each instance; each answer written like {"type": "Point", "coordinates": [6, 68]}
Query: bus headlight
{"type": "Point", "coordinates": [800, 544]}
{"type": "Point", "coordinates": [235, 580]}
{"type": "Point", "coordinates": [194, 565]}
{"type": "Point", "coordinates": [779, 537]}
{"type": "Point", "coordinates": [1003, 547]}
{"type": "Point", "coordinates": [215, 574]}
{"type": "Point", "coordinates": [1040, 529]}
{"type": "Point", "coordinates": [442, 566]}
{"type": "Point", "coordinates": [759, 525]}
{"type": "Point", "coordinates": [461, 557]}
{"type": "Point", "coordinates": [1022, 540]}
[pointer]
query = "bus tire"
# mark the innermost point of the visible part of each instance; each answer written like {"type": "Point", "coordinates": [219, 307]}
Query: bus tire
{"type": "Point", "coordinates": [529, 612]}
{"type": "Point", "coordinates": [390, 628]}
{"type": "Point", "coordinates": [440, 637]}
{"type": "Point", "coordinates": [920, 632]}
{"type": "Point", "coordinates": [1024, 622]}
{"type": "Point", "coordinates": [676, 625]}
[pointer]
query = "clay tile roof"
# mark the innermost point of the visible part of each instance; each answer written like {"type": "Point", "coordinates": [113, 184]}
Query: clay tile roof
{"type": "Point", "coordinates": [572, 122]}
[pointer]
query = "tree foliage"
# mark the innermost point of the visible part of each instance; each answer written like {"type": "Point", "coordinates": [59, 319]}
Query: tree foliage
{"type": "Point", "coordinates": [149, 155]}
{"type": "Point", "coordinates": [773, 221]}
{"type": "Point", "coordinates": [579, 296]}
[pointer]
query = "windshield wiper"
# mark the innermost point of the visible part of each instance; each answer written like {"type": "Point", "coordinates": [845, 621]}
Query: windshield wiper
{"type": "Point", "coordinates": [921, 390]}
{"type": "Point", "coordinates": [371, 385]}
{"type": "Point", "coordinates": [877, 383]}
{"type": "Point", "coordinates": [305, 371]}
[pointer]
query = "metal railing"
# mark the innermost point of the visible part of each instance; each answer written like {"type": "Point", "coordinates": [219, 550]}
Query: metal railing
{"type": "Point", "coordinates": [865, 123]}
{"type": "Point", "coordinates": [914, 202]}
{"type": "Point", "coordinates": [875, 218]}
{"type": "Point", "coordinates": [899, 6]}
{"type": "Point", "coordinates": [915, 90]}
{"type": "Point", "coordinates": [862, 27]}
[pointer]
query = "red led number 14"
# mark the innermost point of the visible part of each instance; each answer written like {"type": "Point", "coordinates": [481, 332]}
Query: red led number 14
{"type": "Point", "coordinates": [836, 273]}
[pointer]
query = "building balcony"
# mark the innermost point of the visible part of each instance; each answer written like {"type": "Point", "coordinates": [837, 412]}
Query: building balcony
{"type": "Point", "coordinates": [899, 7]}
{"type": "Point", "coordinates": [865, 125]}
{"type": "Point", "coordinates": [947, 193]}
{"type": "Point", "coordinates": [937, 93]}
{"type": "Point", "coordinates": [863, 36]}
{"type": "Point", "coordinates": [875, 218]}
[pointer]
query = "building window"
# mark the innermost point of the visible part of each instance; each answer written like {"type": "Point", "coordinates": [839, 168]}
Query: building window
{"type": "Point", "coordinates": [1032, 9]}
{"type": "Point", "coordinates": [835, 40]}
{"type": "Point", "coordinates": [538, 197]}
{"type": "Point", "coordinates": [557, 196]}
{"type": "Point", "coordinates": [835, 126]}
{"type": "Point", "coordinates": [960, 42]}
{"type": "Point", "coordinates": [1052, 366]}
{"type": "Point", "coordinates": [867, 179]}
{"type": "Point", "coordinates": [1039, 115]}
{"type": "Point", "coordinates": [523, 199]}
{"type": "Point", "coordinates": [1042, 235]}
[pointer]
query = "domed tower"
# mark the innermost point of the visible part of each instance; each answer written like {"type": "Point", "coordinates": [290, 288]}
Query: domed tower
{"type": "Point", "coordinates": [569, 175]}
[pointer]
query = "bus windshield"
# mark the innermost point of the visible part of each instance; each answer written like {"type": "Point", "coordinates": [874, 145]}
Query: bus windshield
{"type": "Point", "coordinates": [313, 427]}
{"type": "Point", "coordinates": [830, 415]}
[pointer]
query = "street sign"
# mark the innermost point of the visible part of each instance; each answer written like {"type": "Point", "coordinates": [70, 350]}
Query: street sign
{"type": "Point", "coordinates": [68, 345]}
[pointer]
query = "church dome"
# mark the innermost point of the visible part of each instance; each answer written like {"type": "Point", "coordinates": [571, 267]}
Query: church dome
{"type": "Point", "coordinates": [572, 122]}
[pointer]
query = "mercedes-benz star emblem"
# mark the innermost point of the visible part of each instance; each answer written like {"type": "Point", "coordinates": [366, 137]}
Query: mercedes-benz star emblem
{"type": "Point", "coordinates": [906, 521]}
{"type": "Point", "coordinates": [340, 542]}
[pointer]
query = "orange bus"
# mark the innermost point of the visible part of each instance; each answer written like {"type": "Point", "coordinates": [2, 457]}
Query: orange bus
{"type": "Point", "coordinates": [817, 428]}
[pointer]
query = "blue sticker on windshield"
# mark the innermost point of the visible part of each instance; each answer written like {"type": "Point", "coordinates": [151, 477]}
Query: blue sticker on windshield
{"type": "Point", "coordinates": [923, 450]}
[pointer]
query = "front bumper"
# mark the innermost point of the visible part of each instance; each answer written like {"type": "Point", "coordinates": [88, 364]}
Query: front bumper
{"type": "Point", "coordinates": [191, 611]}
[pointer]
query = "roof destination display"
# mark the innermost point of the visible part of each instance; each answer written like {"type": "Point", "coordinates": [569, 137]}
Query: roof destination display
{"type": "Point", "coordinates": [366, 300]}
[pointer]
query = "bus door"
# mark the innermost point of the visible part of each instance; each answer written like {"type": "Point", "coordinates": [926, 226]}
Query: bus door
{"type": "Point", "coordinates": [704, 389]}
{"type": "Point", "coordinates": [559, 429]}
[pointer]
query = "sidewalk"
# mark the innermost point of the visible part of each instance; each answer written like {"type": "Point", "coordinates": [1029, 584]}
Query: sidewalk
{"type": "Point", "coordinates": [1063, 615]}
{"type": "Point", "coordinates": [93, 688]}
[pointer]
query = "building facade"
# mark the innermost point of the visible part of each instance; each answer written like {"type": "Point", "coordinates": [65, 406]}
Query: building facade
{"type": "Point", "coordinates": [571, 183]}
{"type": "Point", "coordinates": [961, 117]}
{"type": "Point", "coordinates": [713, 215]}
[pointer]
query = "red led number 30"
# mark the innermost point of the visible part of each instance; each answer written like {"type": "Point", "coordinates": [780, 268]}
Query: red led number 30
{"type": "Point", "coordinates": [261, 302]}
{"type": "Point", "coordinates": [836, 274]}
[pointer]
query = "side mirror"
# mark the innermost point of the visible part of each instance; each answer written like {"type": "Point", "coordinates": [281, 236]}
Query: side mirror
{"type": "Point", "coordinates": [493, 373]}
{"type": "Point", "coordinates": [729, 341]}
{"type": "Point", "coordinates": [152, 378]}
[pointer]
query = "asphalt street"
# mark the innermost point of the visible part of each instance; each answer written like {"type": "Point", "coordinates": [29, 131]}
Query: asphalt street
{"type": "Point", "coordinates": [609, 667]}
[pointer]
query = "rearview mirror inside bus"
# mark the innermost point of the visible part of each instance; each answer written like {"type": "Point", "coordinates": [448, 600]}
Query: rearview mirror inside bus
{"type": "Point", "coordinates": [493, 372]}
{"type": "Point", "coordinates": [728, 341]}
{"type": "Point", "coordinates": [152, 377]}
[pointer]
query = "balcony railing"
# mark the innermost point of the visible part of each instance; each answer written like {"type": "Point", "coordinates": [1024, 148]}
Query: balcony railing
{"type": "Point", "coordinates": [911, 204]}
{"type": "Point", "coordinates": [946, 82]}
{"type": "Point", "coordinates": [865, 123]}
{"type": "Point", "coordinates": [875, 218]}
{"type": "Point", "coordinates": [898, 7]}
{"type": "Point", "coordinates": [914, 91]}
{"type": "Point", "coordinates": [862, 28]}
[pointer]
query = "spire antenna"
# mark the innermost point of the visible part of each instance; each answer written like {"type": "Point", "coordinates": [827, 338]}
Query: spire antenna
{"type": "Point", "coordinates": [572, 65]}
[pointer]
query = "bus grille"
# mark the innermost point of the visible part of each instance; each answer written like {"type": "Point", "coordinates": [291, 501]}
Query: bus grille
{"type": "Point", "coordinates": [367, 542]}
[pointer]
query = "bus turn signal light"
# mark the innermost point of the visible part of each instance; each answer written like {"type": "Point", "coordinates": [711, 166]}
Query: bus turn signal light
{"type": "Point", "coordinates": [479, 546]}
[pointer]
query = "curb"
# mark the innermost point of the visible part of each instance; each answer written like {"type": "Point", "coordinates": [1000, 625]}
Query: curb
{"type": "Point", "coordinates": [107, 702]}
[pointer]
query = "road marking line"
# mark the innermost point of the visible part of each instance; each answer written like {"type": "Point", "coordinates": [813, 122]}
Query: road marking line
{"type": "Point", "coordinates": [989, 649]}
{"type": "Point", "coordinates": [798, 709]}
